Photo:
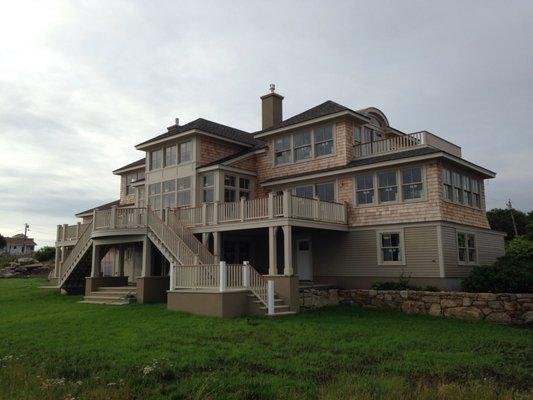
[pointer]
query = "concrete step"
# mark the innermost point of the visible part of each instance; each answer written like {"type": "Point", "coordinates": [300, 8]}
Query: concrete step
{"type": "Point", "coordinates": [106, 302]}
{"type": "Point", "coordinates": [110, 298]}
{"type": "Point", "coordinates": [281, 314]}
{"type": "Point", "coordinates": [121, 289]}
{"type": "Point", "coordinates": [280, 307]}
{"type": "Point", "coordinates": [109, 293]}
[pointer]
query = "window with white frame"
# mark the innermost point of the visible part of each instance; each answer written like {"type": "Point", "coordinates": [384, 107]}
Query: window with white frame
{"type": "Point", "coordinates": [302, 145]}
{"type": "Point", "coordinates": [230, 188]}
{"type": "Point", "coordinates": [412, 187]}
{"type": "Point", "coordinates": [171, 156]}
{"type": "Point", "coordinates": [365, 189]}
{"type": "Point", "coordinates": [467, 191]}
{"type": "Point", "coordinates": [447, 184]}
{"type": "Point", "coordinates": [132, 178]}
{"type": "Point", "coordinates": [466, 248]}
{"type": "Point", "coordinates": [185, 151]}
{"type": "Point", "coordinates": [282, 149]}
{"type": "Point", "coordinates": [461, 188]}
{"type": "Point", "coordinates": [244, 188]}
{"type": "Point", "coordinates": [323, 140]}
{"type": "Point", "coordinates": [208, 188]}
{"type": "Point", "coordinates": [357, 135]}
{"type": "Point", "coordinates": [184, 191]}
{"type": "Point", "coordinates": [304, 191]}
{"type": "Point", "coordinates": [457, 188]}
{"type": "Point", "coordinates": [169, 193]}
{"type": "Point", "coordinates": [390, 247]}
{"type": "Point", "coordinates": [156, 159]}
{"type": "Point", "coordinates": [387, 187]}
{"type": "Point", "coordinates": [154, 196]}
{"type": "Point", "coordinates": [476, 198]}
{"type": "Point", "coordinates": [325, 191]}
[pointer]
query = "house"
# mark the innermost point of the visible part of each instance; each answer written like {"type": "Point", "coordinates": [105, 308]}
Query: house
{"type": "Point", "coordinates": [215, 220]}
{"type": "Point", "coordinates": [19, 245]}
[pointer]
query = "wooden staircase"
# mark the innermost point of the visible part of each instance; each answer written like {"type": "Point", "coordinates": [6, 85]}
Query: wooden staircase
{"type": "Point", "coordinates": [112, 295]}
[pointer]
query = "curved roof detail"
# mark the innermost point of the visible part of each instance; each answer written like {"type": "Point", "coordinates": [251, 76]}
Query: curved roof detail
{"type": "Point", "coordinates": [376, 113]}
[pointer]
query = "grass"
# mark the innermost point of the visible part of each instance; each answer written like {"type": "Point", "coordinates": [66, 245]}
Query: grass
{"type": "Point", "coordinates": [52, 347]}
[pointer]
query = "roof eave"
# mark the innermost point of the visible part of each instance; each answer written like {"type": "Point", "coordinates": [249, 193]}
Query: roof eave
{"type": "Point", "coordinates": [147, 144]}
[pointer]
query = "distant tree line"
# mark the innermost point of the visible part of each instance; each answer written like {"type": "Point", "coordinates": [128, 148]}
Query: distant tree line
{"type": "Point", "coordinates": [501, 219]}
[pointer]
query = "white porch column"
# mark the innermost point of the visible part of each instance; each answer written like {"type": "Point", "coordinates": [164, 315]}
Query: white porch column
{"type": "Point", "coordinates": [287, 247]}
{"type": "Point", "coordinates": [216, 246]}
{"type": "Point", "coordinates": [223, 277]}
{"type": "Point", "coordinates": [172, 276]}
{"type": "Point", "coordinates": [56, 263]}
{"type": "Point", "coordinates": [95, 261]}
{"type": "Point", "coordinates": [272, 251]}
{"type": "Point", "coordinates": [146, 269]}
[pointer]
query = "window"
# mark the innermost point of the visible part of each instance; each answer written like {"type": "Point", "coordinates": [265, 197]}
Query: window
{"type": "Point", "coordinates": [367, 135]}
{"type": "Point", "coordinates": [305, 191]}
{"type": "Point", "coordinates": [156, 159]}
{"type": "Point", "coordinates": [447, 184]}
{"type": "Point", "coordinates": [390, 248]}
{"type": "Point", "coordinates": [457, 188]}
{"type": "Point", "coordinates": [476, 199]}
{"type": "Point", "coordinates": [356, 135]}
{"type": "Point", "coordinates": [208, 184]}
{"type": "Point", "coordinates": [388, 191]}
{"type": "Point", "coordinates": [154, 196]}
{"type": "Point", "coordinates": [185, 152]}
{"type": "Point", "coordinates": [325, 191]}
{"type": "Point", "coordinates": [229, 188]}
{"type": "Point", "coordinates": [244, 188]}
{"type": "Point", "coordinates": [467, 192]}
{"type": "Point", "coordinates": [412, 183]}
{"type": "Point", "coordinates": [323, 140]}
{"type": "Point", "coordinates": [169, 193]}
{"type": "Point", "coordinates": [141, 202]}
{"type": "Point", "coordinates": [171, 157]}
{"type": "Point", "coordinates": [365, 189]}
{"type": "Point", "coordinates": [302, 146]}
{"type": "Point", "coordinates": [184, 191]}
{"type": "Point", "coordinates": [282, 148]}
{"type": "Point", "coordinates": [466, 247]}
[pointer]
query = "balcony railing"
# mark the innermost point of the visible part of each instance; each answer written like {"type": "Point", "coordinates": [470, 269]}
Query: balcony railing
{"type": "Point", "coordinates": [405, 142]}
{"type": "Point", "coordinates": [68, 233]}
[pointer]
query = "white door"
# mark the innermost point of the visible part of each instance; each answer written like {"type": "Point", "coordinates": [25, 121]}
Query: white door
{"type": "Point", "coordinates": [303, 259]}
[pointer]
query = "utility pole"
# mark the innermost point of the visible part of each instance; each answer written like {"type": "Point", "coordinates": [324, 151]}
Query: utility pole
{"type": "Point", "coordinates": [510, 207]}
{"type": "Point", "coordinates": [26, 229]}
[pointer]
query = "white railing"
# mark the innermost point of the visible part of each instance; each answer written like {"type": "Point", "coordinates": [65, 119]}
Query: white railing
{"type": "Point", "coordinates": [130, 217]}
{"type": "Point", "coordinates": [102, 219]}
{"type": "Point", "coordinates": [274, 206]}
{"type": "Point", "coordinates": [223, 277]}
{"type": "Point", "coordinates": [73, 256]}
{"type": "Point", "coordinates": [69, 233]}
{"type": "Point", "coordinates": [205, 256]}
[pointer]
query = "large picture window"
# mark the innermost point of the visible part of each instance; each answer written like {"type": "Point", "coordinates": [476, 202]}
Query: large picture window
{"type": "Point", "coordinates": [390, 248]}
{"type": "Point", "coordinates": [184, 191]}
{"type": "Point", "coordinates": [412, 187]}
{"type": "Point", "coordinates": [388, 189]}
{"type": "Point", "coordinates": [466, 248]}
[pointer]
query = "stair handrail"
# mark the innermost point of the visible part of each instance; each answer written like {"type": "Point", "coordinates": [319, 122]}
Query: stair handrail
{"type": "Point", "coordinates": [206, 257]}
{"type": "Point", "coordinates": [258, 284]}
{"type": "Point", "coordinates": [181, 252]}
{"type": "Point", "coordinates": [75, 252]}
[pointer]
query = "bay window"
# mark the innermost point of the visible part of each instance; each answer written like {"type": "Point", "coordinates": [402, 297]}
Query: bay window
{"type": "Point", "coordinates": [460, 188]}
{"type": "Point", "coordinates": [229, 188]}
{"type": "Point", "coordinates": [244, 188]}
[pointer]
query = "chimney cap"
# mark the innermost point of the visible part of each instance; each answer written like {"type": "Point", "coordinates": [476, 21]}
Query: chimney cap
{"type": "Point", "coordinates": [272, 87]}
{"type": "Point", "coordinates": [177, 121]}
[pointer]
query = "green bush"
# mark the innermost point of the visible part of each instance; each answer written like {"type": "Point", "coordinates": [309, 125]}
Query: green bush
{"type": "Point", "coordinates": [46, 253]}
{"type": "Point", "coordinates": [402, 284]}
{"type": "Point", "coordinates": [512, 273]}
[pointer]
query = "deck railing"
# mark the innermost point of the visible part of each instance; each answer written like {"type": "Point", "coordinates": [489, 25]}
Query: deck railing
{"type": "Point", "coordinates": [74, 255]}
{"type": "Point", "coordinates": [205, 256]}
{"type": "Point", "coordinates": [274, 206]}
{"type": "Point", "coordinates": [67, 233]}
{"type": "Point", "coordinates": [404, 142]}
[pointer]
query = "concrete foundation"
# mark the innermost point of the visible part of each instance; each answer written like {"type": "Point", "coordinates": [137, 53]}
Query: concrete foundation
{"type": "Point", "coordinates": [287, 288]}
{"type": "Point", "coordinates": [211, 303]}
{"type": "Point", "coordinates": [152, 289]}
{"type": "Point", "coordinates": [93, 283]}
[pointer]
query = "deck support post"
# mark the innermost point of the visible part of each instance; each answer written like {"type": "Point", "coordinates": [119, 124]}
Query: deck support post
{"type": "Point", "coordinates": [287, 247]}
{"type": "Point", "coordinates": [172, 274]}
{"type": "Point", "coordinates": [146, 269]}
{"type": "Point", "coordinates": [286, 203]}
{"type": "Point", "coordinates": [222, 278]}
{"type": "Point", "coordinates": [270, 205]}
{"type": "Point", "coordinates": [216, 246]}
{"type": "Point", "coordinates": [270, 297]}
{"type": "Point", "coordinates": [272, 251]}
{"type": "Point", "coordinates": [120, 260]}
{"type": "Point", "coordinates": [95, 261]}
{"type": "Point", "coordinates": [57, 273]}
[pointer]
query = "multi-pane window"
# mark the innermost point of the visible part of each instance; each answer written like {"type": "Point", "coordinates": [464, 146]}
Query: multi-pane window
{"type": "Point", "coordinates": [302, 145]}
{"type": "Point", "coordinates": [357, 135]}
{"type": "Point", "coordinates": [171, 156]}
{"type": "Point", "coordinates": [447, 184]}
{"type": "Point", "coordinates": [476, 199]}
{"type": "Point", "coordinates": [156, 159]}
{"type": "Point", "coordinates": [208, 188]}
{"type": "Point", "coordinates": [323, 140]}
{"type": "Point", "coordinates": [132, 178]}
{"type": "Point", "coordinates": [229, 188]}
{"type": "Point", "coordinates": [388, 190]}
{"type": "Point", "coordinates": [184, 191]}
{"type": "Point", "coordinates": [390, 246]}
{"type": "Point", "coordinates": [365, 189]}
{"type": "Point", "coordinates": [412, 187]}
{"type": "Point", "coordinates": [325, 191]}
{"type": "Point", "coordinates": [467, 191]}
{"type": "Point", "coordinates": [154, 196]}
{"type": "Point", "coordinates": [244, 188]}
{"type": "Point", "coordinates": [457, 188]}
{"type": "Point", "coordinates": [141, 202]}
{"type": "Point", "coordinates": [169, 193]}
{"type": "Point", "coordinates": [185, 151]}
{"type": "Point", "coordinates": [304, 191]}
{"type": "Point", "coordinates": [466, 247]}
{"type": "Point", "coordinates": [282, 148]}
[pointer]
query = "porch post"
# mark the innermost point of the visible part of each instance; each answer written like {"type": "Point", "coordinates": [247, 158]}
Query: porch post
{"type": "Point", "coordinates": [172, 273]}
{"type": "Point", "coordinates": [205, 238]}
{"type": "Point", "coordinates": [120, 260]}
{"type": "Point", "coordinates": [270, 205]}
{"type": "Point", "coordinates": [287, 247]}
{"type": "Point", "coordinates": [56, 263]}
{"type": "Point", "coordinates": [286, 203]}
{"type": "Point", "coordinates": [113, 221]}
{"type": "Point", "coordinates": [146, 268]}
{"type": "Point", "coordinates": [95, 261]}
{"type": "Point", "coordinates": [222, 278]}
{"type": "Point", "coordinates": [270, 297]}
{"type": "Point", "coordinates": [246, 274]}
{"type": "Point", "coordinates": [272, 251]}
{"type": "Point", "coordinates": [216, 246]}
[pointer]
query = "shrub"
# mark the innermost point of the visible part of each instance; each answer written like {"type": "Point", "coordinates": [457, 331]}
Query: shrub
{"type": "Point", "coordinates": [46, 253]}
{"type": "Point", "coordinates": [402, 284]}
{"type": "Point", "coordinates": [520, 247]}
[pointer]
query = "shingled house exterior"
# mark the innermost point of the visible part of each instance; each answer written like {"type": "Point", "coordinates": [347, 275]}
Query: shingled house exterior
{"type": "Point", "coordinates": [218, 221]}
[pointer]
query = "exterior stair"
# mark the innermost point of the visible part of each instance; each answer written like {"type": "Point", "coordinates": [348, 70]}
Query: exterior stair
{"type": "Point", "coordinates": [112, 295]}
{"type": "Point", "coordinates": [256, 307]}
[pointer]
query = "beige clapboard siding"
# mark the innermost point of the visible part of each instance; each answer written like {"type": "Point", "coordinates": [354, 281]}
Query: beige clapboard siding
{"type": "Point", "coordinates": [490, 246]}
{"type": "Point", "coordinates": [354, 253]}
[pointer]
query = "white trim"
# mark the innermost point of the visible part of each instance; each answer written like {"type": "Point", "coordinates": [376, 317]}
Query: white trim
{"type": "Point", "coordinates": [466, 232]}
{"type": "Point", "coordinates": [244, 156]}
{"type": "Point", "coordinates": [440, 251]}
{"type": "Point", "coordinates": [226, 168]}
{"type": "Point", "coordinates": [399, 231]}
{"type": "Point", "coordinates": [120, 171]}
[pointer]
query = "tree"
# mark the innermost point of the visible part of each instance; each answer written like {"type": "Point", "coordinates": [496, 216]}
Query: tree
{"type": "Point", "coordinates": [500, 220]}
{"type": "Point", "coordinates": [3, 242]}
{"type": "Point", "coordinates": [45, 253]}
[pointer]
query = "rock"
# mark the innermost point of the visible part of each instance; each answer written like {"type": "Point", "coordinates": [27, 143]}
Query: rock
{"type": "Point", "coordinates": [435, 310]}
{"type": "Point", "coordinates": [30, 267]}
{"type": "Point", "coordinates": [498, 317]}
{"type": "Point", "coordinates": [528, 317]}
{"type": "Point", "coordinates": [467, 302]}
{"type": "Point", "coordinates": [449, 303]}
{"type": "Point", "coordinates": [496, 305]}
{"type": "Point", "coordinates": [468, 313]}
{"type": "Point", "coordinates": [486, 310]}
{"type": "Point", "coordinates": [486, 296]}
{"type": "Point", "coordinates": [404, 293]}
{"type": "Point", "coordinates": [27, 260]}
{"type": "Point", "coordinates": [413, 307]}
{"type": "Point", "coordinates": [527, 306]}
{"type": "Point", "coordinates": [510, 305]}
{"type": "Point", "coordinates": [431, 299]}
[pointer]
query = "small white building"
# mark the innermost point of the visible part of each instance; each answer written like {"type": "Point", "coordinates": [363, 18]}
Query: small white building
{"type": "Point", "coordinates": [19, 245]}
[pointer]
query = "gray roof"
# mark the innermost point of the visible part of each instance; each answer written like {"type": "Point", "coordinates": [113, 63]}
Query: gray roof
{"type": "Point", "coordinates": [233, 156]}
{"type": "Point", "coordinates": [138, 163]}
{"type": "Point", "coordinates": [326, 108]}
{"type": "Point", "coordinates": [214, 128]}
{"type": "Point", "coordinates": [105, 206]}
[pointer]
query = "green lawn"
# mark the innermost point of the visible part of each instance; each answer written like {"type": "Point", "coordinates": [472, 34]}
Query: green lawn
{"type": "Point", "coordinates": [52, 347]}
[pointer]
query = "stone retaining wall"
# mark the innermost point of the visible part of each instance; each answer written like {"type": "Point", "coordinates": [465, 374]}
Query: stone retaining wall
{"type": "Point", "coordinates": [506, 308]}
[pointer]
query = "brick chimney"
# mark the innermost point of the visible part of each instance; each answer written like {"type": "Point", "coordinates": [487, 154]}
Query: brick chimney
{"type": "Point", "coordinates": [271, 105]}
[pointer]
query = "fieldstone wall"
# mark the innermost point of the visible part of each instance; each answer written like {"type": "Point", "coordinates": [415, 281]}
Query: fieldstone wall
{"type": "Point", "coordinates": [317, 298]}
{"type": "Point", "coordinates": [505, 308]}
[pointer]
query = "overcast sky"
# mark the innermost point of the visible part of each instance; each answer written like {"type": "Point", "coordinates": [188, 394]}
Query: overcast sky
{"type": "Point", "coordinates": [82, 82]}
